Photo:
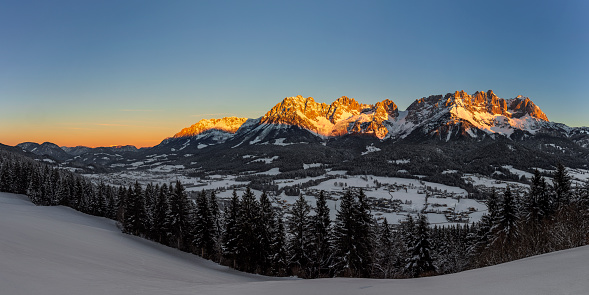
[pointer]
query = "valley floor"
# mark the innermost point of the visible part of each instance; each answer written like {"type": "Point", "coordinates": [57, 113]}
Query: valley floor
{"type": "Point", "coordinates": [56, 250]}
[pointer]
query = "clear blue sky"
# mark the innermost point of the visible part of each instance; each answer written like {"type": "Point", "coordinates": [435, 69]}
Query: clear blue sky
{"type": "Point", "coordinates": [133, 72]}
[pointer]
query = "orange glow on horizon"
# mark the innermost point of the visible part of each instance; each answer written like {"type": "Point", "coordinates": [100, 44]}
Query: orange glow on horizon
{"type": "Point", "coordinates": [80, 137]}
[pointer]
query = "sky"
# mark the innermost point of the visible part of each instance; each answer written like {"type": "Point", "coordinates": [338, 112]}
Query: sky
{"type": "Point", "coordinates": [102, 73]}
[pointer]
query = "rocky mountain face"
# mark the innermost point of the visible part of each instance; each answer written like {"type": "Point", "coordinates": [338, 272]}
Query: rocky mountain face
{"type": "Point", "coordinates": [478, 115]}
{"type": "Point", "coordinates": [227, 125]}
{"type": "Point", "coordinates": [343, 116]}
{"type": "Point", "coordinates": [444, 117]}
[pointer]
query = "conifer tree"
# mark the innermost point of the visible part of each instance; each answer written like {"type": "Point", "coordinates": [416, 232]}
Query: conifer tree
{"type": "Point", "coordinates": [300, 237]}
{"type": "Point", "coordinates": [160, 229]}
{"type": "Point", "coordinates": [562, 187]}
{"type": "Point", "coordinates": [266, 231]}
{"type": "Point", "coordinates": [248, 244]}
{"type": "Point", "coordinates": [121, 200]}
{"type": "Point", "coordinates": [204, 226]}
{"type": "Point", "coordinates": [149, 196]}
{"type": "Point", "coordinates": [364, 235]}
{"type": "Point", "coordinates": [352, 236]}
{"type": "Point", "coordinates": [537, 204]}
{"type": "Point", "coordinates": [280, 257]}
{"type": "Point", "coordinates": [386, 251]}
{"type": "Point", "coordinates": [134, 221]}
{"type": "Point", "coordinates": [505, 229]}
{"type": "Point", "coordinates": [420, 262]}
{"type": "Point", "coordinates": [322, 250]}
{"type": "Point", "coordinates": [216, 231]}
{"type": "Point", "coordinates": [179, 220]}
{"type": "Point", "coordinates": [483, 234]}
{"type": "Point", "coordinates": [231, 232]}
{"type": "Point", "coordinates": [34, 191]}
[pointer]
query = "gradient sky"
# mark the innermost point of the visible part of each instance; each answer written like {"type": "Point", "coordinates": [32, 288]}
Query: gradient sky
{"type": "Point", "coordinates": [102, 73]}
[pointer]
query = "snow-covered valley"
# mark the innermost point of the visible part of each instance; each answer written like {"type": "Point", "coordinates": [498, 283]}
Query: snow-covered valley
{"type": "Point", "coordinates": [56, 250]}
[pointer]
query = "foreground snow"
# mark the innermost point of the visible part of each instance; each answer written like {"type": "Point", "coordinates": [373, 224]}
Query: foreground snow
{"type": "Point", "coordinates": [55, 250]}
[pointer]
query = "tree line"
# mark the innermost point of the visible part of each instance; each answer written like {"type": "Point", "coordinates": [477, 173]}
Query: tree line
{"type": "Point", "coordinates": [248, 233]}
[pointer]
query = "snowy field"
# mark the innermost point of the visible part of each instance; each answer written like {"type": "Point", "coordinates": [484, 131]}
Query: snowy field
{"type": "Point", "coordinates": [410, 193]}
{"type": "Point", "coordinates": [446, 205]}
{"type": "Point", "coordinates": [55, 250]}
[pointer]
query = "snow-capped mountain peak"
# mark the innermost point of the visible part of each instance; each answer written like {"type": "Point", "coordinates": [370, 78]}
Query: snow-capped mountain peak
{"type": "Point", "coordinates": [227, 124]}
{"type": "Point", "coordinates": [457, 114]}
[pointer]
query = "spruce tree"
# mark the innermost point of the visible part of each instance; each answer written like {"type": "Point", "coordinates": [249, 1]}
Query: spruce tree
{"type": "Point", "coordinates": [505, 228]}
{"type": "Point", "coordinates": [134, 221]}
{"type": "Point", "coordinates": [216, 231]}
{"type": "Point", "coordinates": [34, 191]}
{"type": "Point", "coordinates": [179, 220]}
{"type": "Point", "coordinates": [364, 235]}
{"type": "Point", "coordinates": [204, 227]}
{"type": "Point", "coordinates": [537, 204]}
{"type": "Point", "coordinates": [231, 232]}
{"type": "Point", "coordinates": [322, 250]}
{"type": "Point", "coordinates": [562, 187]}
{"type": "Point", "coordinates": [300, 237]}
{"type": "Point", "coordinates": [279, 255]}
{"type": "Point", "coordinates": [352, 236]}
{"type": "Point", "coordinates": [420, 263]}
{"type": "Point", "coordinates": [248, 244]}
{"type": "Point", "coordinates": [266, 231]}
{"type": "Point", "coordinates": [161, 229]}
{"type": "Point", "coordinates": [386, 251]}
{"type": "Point", "coordinates": [478, 251]}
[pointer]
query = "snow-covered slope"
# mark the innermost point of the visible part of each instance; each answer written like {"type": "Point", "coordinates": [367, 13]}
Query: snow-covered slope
{"type": "Point", "coordinates": [55, 250]}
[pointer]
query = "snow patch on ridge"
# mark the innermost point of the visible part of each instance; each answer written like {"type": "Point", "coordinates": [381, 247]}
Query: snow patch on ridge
{"type": "Point", "coordinates": [370, 149]}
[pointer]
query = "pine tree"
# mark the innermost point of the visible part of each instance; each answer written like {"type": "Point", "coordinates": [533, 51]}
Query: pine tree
{"type": "Point", "coordinates": [505, 229]}
{"type": "Point", "coordinates": [266, 231]}
{"type": "Point", "coordinates": [300, 233]}
{"type": "Point", "coordinates": [537, 205]}
{"type": "Point", "coordinates": [54, 182]}
{"type": "Point", "coordinates": [365, 235]}
{"type": "Point", "coordinates": [34, 191]}
{"type": "Point", "coordinates": [161, 229]}
{"type": "Point", "coordinates": [216, 231]}
{"type": "Point", "coordinates": [352, 237]}
{"type": "Point", "coordinates": [134, 221]}
{"type": "Point", "coordinates": [101, 199]}
{"type": "Point", "coordinates": [179, 221]}
{"type": "Point", "coordinates": [121, 200]}
{"type": "Point", "coordinates": [420, 263]}
{"type": "Point", "coordinates": [386, 251]}
{"type": "Point", "coordinates": [484, 234]}
{"type": "Point", "coordinates": [279, 255]}
{"type": "Point", "coordinates": [321, 254]}
{"type": "Point", "coordinates": [204, 227]}
{"type": "Point", "coordinates": [248, 244]}
{"type": "Point", "coordinates": [111, 208]}
{"type": "Point", "coordinates": [230, 235]}
{"type": "Point", "coordinates": [149, 197]}
{"type": "Point", "coordinates": [6, 177]}
{"type": "Point", "coordinates": [562, 187]}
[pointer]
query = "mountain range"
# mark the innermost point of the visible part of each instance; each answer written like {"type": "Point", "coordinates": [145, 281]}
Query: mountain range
{"type": "Point", "coordinates": [342, 130]}
{"type": "Point", "coordinates": [443, 117]}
